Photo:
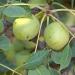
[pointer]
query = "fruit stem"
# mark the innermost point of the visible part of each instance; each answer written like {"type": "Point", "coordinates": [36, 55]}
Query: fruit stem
{"type": "Point", "coordinates": [71, 39]}
{"type": "Point", "coordinates": [14, 4]}
{"type": "Point", "coordinates": [39, 32]}
{"type": "Point", "coordinates": [72, 3]}
{"type": "Point", "coordinates": [47, 20]}
{"type": "Point", "coordinates": [57, 10]}
{"type": "Point", "coordinates": [18, 68]}
{"type": "Point", "coordinates": [59, 72]}
{"type": "Point", "coordinates": [10, 69]}
{"type": "Point", "coordinates": [62, 24]}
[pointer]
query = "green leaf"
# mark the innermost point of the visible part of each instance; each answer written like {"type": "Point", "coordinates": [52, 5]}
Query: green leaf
{"type": "Point", "coordinates": [14, 11]}
{"type": "Point", "coordinates": [7, 47]}
{"type": "Point", "coordinates": [28, 11]}
{"type": "Point", "coordinates": [3, 1]}
{"type": "Point", "coordinates": [42, 70]}
{"type": "Point", "coordinates": [53, 71]}
{"type": "Point", "coordinates": [36, 59]}
{"type": "Point", "coordinates": [73, 47]}
{"type": "Point", "coordinates": [5, 62]}
{"type": "Point", "coordinates": [67, 18]}
{"type": "Point", "coordinates": [4, 43]}
{"type": "Point", "coordinates": [1, 10]}
{"type": "Point", "coordinates": [59, 1]}
{"type": "Point", "coordinates": [63, 58]}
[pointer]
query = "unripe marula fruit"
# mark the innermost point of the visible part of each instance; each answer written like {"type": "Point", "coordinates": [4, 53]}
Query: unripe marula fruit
{"type": "Point", "coordinates": [26, 28]}
{"type": "Point", "coordinates": [56, 36]}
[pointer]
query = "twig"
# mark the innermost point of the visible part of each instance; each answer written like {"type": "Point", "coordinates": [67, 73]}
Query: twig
{"type": "Point", "coordinates": [10, 69]}
{"type": "Point", "coordinates": [64, 7]}
{"type": "Point", "coordinates": [71, 39]}
{"type": "Point", "coordinates": [22, 4]}
{"type": "Point", "coordinates": [57, 10]}
{"type": "Point", "coordinates": [72, 3]}
{"type": "Point", "coordinates": [47, 20]}
{"type": "Point", "coordinates": [39, 32]}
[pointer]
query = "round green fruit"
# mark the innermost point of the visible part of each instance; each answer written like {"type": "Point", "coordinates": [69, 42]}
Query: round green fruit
{"type": "Point", "coordinates": [21, 57]}
{"type": "Point", "coordinates": [10, 53]}
{"type": "Point", "coordinates": [26, 28]}
{"type": "Point", "coordinates": [56, 36]}
{"type": "Point", "coordinates": [18, 45]}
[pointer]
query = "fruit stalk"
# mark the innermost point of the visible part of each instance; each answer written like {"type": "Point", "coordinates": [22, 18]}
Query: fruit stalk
{"type": "Point", "coordinates": [39, 32]}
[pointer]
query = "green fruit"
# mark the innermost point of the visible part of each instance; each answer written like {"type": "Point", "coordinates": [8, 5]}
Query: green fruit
{"type": "Point", "coordinates": [56, 36]}
{"type": "Point", "coordinates": [18, 45]}
{"type": "Point", "coordinates": [29, 45]}
{"type": "Point", "coordinates": [1, 26]}
{"type": "Point", "coordinates": [21, 57]}
{"type": "Point", "coordinates": [10, 53]}
{"type": "Point", "coordinates": [26, 28]}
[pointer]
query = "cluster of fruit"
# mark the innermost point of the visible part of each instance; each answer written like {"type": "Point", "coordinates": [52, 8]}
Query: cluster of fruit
{"type": "Point", "coordinates": [55, 35]}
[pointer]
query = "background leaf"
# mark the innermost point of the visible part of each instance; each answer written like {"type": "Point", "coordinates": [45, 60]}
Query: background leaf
{"type": "Point", "coordinates": [63, 58]}
{"type": "Point", "coordinates": [5, 62]}
{"type": "Point", "coordinates": [4, 43]}
{"type": "Point", "coordinates": [73, 47]}
{"type": "Point", "coordinates": [3, 1]}
{"type": "Point", "coordinates": [7, 47]}
{"type": "Point", "coordinates": [36, 59]}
